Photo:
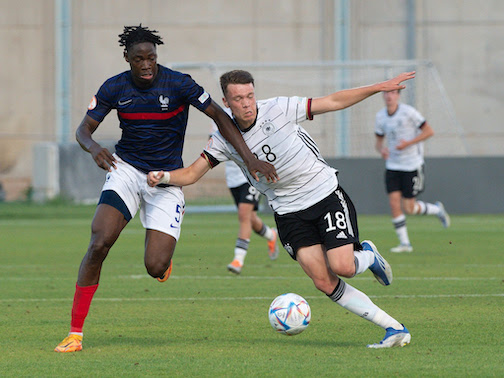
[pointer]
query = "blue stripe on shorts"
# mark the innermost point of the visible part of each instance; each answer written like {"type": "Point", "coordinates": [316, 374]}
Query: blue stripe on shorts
{"type": "Point", "coordinates": [111, 198]}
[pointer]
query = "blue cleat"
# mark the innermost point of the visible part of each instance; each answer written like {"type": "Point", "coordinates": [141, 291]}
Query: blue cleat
{"type": "Point", "coordinates": [380, 268]}
{"type": "Point", "coordinates": [393, 337]}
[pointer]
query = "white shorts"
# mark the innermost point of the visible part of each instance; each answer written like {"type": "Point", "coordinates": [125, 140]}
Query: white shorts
{"type": "Point", "coordinates": [161, 209]}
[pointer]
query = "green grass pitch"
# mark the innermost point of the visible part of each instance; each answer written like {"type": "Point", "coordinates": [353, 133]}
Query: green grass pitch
{"type": "Point", "coordinates": [206, 322]}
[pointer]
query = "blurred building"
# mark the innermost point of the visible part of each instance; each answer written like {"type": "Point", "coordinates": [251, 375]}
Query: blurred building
{"type": "Point", "coordinates": [58, 52]}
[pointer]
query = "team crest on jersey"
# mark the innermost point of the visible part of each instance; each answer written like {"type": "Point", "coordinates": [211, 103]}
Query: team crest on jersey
{"type": "Point", "coordinates": [92, 104]}
{"type": "Point", "coordinates": [268, 128]}
{"type": "Point", "coordinates": [164, 102]}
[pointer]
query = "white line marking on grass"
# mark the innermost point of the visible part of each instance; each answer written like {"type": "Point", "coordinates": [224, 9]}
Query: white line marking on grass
{"type": "Point", "coordinates": [233, 277]}
{"type": "Point", "coordinates": [269, 265]}
{"type": "Point", "coordinates": [44, 222]}
{"type": "Point", "coordinates": [192, 299]}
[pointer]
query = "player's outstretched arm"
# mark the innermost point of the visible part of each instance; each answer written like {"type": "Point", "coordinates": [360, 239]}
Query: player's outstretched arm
{"type": "Point", "coordinates": [230, 132]}
{"type": "Point", "coordinates": [102, 156]}
{"type": "Point", "coordinates": [348, 97]}
{"type": "Point", "coordinates": [181, 176]}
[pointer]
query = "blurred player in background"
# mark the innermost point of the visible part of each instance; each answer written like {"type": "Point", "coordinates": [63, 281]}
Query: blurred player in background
{"type": "Point", "coordinates": [404, 130]}
{"type": "Point", "coordinates": [152, 104]}
{"type": "Point", "coordinates": [316, 220]}
{"type": "Point", "coordinates": [246, 198]}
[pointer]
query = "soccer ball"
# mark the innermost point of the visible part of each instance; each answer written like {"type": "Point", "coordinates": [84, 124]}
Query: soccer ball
{"type": "Point", "coordinates": [289, 314]}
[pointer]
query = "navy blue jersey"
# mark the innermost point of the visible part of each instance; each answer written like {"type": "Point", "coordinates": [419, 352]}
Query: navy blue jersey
{"type": "Point", "coordinates": [153, 120]}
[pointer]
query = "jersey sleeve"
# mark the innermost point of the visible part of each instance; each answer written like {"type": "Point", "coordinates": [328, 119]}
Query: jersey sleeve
{"type": "Point", "coordinates": [379, 125]}
{"type": "Point", "coordinates": [194, 93]}
{"type": "Point", "coordinates": [295, 108]}
{"type": "Point", "coordinates": [213, 127]}
{"type": "Point", "coordinates": [101, 104]}
{"type": "Point", "coordinates": [216, 150]}
{"type": "Point", "coordinates": [416, 117]}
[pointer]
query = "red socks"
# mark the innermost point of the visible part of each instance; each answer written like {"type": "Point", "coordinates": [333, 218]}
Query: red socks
{"type": "Point", "coordinates": [82, 300]}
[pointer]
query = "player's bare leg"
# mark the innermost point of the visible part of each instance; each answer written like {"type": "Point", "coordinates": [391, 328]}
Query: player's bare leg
{"type": "Point", "coordinates": [415, 207]}
{"type": "Point", "coordinates": [257, 222]}
{"type": "Point", "coordinates": [159, 249]}
{"type": "Point", "coordinates": [108, 222]}
{"type": "Point", "coordinates": [245, 212]}
{"type": "Point", "coordinates": [270, 234]}
{"type": "Point", "coordinates": [314, 263]}
{"type": "Point", "coordinates": [399, 221]}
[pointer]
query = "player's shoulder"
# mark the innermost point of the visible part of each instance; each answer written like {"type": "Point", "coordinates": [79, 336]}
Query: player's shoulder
{"type": "Point", "coordinates": [228, 111]}
{"type": "Point", "coordinates": [281, 101]}
{"type": "Point", "coordinates": [382, 113]}
{"type": "Point", "coordinates": [408, 111]}
{"type": "Point", "coordinates": [406, 108]}
{"type": "Point", "coordinates": [114, 85]}
{"type": "Point", "coordinates": [168, 71]}
{"type": "Point", "coordinates": [216, 136]}
{"type": "Point", "coordinates": [119, 78]}
{"type": "Point", "coordinates": [172, 74]}
{"type": "Point", "coordinates": [267, 101]}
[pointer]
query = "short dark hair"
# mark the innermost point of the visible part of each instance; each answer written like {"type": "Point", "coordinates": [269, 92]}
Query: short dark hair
{"type": "Point", "coordinates": [235, 77]}
{"type": "Point", "coordinates": [138, 34]}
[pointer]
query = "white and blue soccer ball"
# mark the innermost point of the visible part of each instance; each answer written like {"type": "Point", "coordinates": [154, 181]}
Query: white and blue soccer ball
{"type": "Point", "coordinates": [289, 314]}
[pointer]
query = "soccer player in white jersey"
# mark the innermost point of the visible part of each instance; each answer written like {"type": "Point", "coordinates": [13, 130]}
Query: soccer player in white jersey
{"type": "Point", "coordinates": [246, 198]}
{"type": "Point", "coordinates": [404, 130]}
{"type": "Point", "coordinates": [316, 220]}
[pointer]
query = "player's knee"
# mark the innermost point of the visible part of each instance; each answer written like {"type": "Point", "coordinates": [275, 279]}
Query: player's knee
{"type": "Point", "coordinates": [98, 249]}
{"type": "Point", "coordinates": [156, 268]}
{"type": "Point", "coordinates": [409, 210]}
{"type": "Point", "coordinates": [324, 285]}
{"type": "Point", "coordinates": [244, 218]}
{"type": "Point", "coordinates": [347, 272]}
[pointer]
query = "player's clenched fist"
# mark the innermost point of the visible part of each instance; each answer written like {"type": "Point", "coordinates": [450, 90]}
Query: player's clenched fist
{"type": "Point", "coordinates": [158, 177]}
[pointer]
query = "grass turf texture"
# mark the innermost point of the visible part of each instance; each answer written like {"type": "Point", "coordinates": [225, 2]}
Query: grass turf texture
{"type": "Point", "coordinates": [206, 322]}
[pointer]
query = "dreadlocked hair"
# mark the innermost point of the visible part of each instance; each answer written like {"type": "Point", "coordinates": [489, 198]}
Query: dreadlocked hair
{"type": "Point", "coordinates": [138, 34]}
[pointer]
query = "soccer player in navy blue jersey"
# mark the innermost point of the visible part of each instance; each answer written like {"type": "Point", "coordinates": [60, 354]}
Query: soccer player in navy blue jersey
{"type": "Point", "coordinates": [152, 104]}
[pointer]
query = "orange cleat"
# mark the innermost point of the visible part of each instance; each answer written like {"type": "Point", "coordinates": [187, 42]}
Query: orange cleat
{"type": "Point", "coordinates": [235, 267]}
{"type": "Point", "coordinates": [166, 274]}
{"type": "Point", "coordinates": [71, 343]}
{"type": "Point", "coordinates": [273, 246]}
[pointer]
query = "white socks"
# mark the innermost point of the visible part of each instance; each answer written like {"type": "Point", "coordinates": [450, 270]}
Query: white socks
{"type": "Point", "coordinates": [363, 260]}
{"type": "Point", "coordinates": [241, 248]}
{"type": "Point", "coordinates": [266, 232]}
{"type": "Point", "coordinates": [426, 208]}
{"type": "Point", "coordinates": [401, 229]}
{"type": "Point", "coordinates": [359, 303]}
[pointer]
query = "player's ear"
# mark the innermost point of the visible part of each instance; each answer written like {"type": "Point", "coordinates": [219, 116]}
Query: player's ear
{"type": "Point", "coordinates": [126, 56]}
{"type": "Point", "coordinates": [224, 101]}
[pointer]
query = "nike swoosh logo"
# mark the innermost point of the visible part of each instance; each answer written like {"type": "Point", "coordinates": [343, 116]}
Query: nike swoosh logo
{"type": "Point", "coordinates": [125, 102]}
{"type": "Point", "coordinates": [172, 226]}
